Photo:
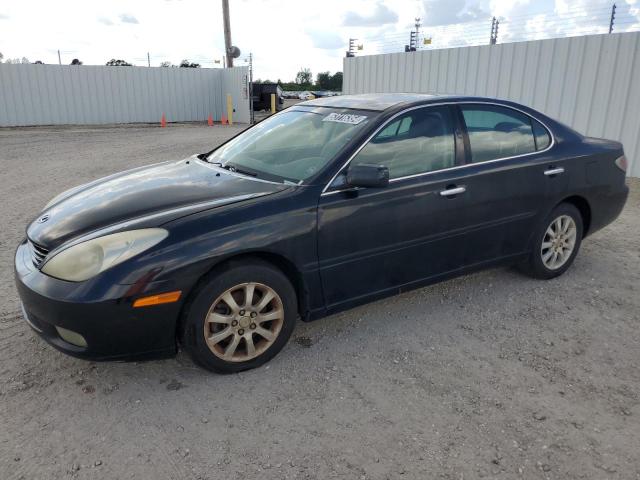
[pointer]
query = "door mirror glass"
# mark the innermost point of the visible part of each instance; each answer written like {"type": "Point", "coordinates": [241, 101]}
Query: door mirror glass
{"type": "Point", "coordinates": [368, 175]}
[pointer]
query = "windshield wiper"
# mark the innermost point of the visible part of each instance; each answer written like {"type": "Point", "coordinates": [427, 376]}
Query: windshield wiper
{"type": "Point", "coordinates": [234, 169]}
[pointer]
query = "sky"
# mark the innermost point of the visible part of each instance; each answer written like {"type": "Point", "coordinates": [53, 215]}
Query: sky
{"type": "Point", "coordinates": [283, 35]}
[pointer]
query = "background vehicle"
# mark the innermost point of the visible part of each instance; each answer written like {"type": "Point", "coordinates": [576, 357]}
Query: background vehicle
{"type": "Point", "coordinates": [290, 94]}
{"type": "Point", "coordinates": [306, 96]}
{"type": "Point", "coordinates": [329, 204]}
{"type": "Point", "coordinates": [262, 96]}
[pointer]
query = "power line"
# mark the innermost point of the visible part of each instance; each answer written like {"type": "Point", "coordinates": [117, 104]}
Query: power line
{"type": "Point", "coordinates": [573, 21]}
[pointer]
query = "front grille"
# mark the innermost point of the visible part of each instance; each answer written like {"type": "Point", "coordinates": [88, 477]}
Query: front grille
{"type": "Point", "coordinates": [38, 253]}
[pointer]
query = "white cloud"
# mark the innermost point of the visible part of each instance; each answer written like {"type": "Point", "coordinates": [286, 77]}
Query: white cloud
{"type": "Point", "coordinates": [381, 15]}
{"type": "Point", "coordinates": [456, 11]}
{"type": "Point", "coordinates": [126, 18]}
{"type": "Point", "coordinates": [503, 8]}
{"type": "Point", "coordinates": [326, 40]}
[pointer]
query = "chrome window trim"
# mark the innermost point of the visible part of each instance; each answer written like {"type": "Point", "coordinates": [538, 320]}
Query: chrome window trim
{"type": "Point", "coordinates": [457, 167]}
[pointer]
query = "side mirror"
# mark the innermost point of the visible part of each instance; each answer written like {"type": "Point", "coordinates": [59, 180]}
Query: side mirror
{"type": "Point", "coordinates": [368, 175]}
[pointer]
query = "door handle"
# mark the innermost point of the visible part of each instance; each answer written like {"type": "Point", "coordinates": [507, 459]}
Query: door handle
{"type": "Point", "coordinates": [452, 191]}
{"type": "Point", "coordinates": [554, 171]}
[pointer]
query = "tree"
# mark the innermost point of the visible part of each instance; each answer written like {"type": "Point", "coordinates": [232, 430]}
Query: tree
{"type": "Point", "coordinates": [166, 64]}
{"type": "Point", "coordinates": [39, 62]}
{"type": "Point", "coordinates": [118, 63]}
{"type": "Point", "coordinates": [304, 77]}
{"type": "Point", "coordinates": [188, 64]}
{"type": "Point", "coordinates": [75, 61]}
{"type": "Point", "coordinates": [323, 80]}
{"type": "Point", "coordinates": [17, 60]}
{"type": "Point", "coordinates": [1, 57]}
{"type": "Point", "coordinates": [336, 82]}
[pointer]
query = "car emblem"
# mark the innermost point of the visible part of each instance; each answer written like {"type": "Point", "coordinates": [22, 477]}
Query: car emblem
{"type": "Point", "coordinates": [44, 218]}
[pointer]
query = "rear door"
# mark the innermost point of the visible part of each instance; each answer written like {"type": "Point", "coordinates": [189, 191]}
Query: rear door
{"type": "Point", "coordinates": [507, 178]}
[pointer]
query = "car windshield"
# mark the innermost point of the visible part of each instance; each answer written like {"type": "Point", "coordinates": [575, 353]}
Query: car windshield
{"type": "Point", "coordinates": [293, 145]}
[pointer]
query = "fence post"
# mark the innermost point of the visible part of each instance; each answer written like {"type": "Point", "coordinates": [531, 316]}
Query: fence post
{"type": "Point", "coordinates": [273, 103]}
{"type": "Point", "coordinates": [494, 31]}
{"type": "Point", "coordinates": [229, 109]}
{"type": "Point", "coordinates": [613, 17]}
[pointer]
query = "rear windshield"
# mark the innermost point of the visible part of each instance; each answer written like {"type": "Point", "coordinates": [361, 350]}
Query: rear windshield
{"type": "Point", "coordinates": [292, 145]}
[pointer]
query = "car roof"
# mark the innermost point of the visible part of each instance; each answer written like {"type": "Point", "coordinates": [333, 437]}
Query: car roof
{"type": "Point", "coordinates": [384, 101]}
{"type": "Point", "coordinates": [370, 101]}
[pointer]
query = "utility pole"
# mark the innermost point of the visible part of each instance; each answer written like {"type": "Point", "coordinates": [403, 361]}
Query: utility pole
{"type": "Point", "coordinates": [613, 17]}
{"type": "Point", "coordinates": [59, 59]}
{"type": "Point", "coordinates": [227, 32]}
{"type": "Point", "coordinates": [148, 60]}
{"type": "Point", "coordinates": [251, 88]}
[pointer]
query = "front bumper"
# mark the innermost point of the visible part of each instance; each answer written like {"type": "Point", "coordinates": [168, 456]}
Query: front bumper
{"type": "Point", "coordinates": [102, 314]}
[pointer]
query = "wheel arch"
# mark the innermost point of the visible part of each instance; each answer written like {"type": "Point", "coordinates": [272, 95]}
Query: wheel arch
{"type": "Point", "coordinates": [286, 266]}
{"type": "Point", "coordinates": [584, 208]}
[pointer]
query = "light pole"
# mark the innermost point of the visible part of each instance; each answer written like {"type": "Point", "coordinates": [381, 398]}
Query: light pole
{"type": "Point", "coordinates": [227, 32]}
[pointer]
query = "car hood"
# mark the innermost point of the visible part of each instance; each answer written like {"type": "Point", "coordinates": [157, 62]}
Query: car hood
{"type": "Point", "coordinates": [142, 197]}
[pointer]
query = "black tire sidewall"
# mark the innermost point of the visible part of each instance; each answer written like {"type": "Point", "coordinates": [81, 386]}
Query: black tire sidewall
{"type": "Point", "coordinates": [192, 328]}
{"type": "Point", "coordinates": [537, 266]}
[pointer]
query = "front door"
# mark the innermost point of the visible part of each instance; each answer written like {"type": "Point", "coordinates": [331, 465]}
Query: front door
{"type": "Point", "coordinates": [377, 241]}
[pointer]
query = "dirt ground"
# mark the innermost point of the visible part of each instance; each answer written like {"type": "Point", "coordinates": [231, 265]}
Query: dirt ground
{"type": "Point", "coordinates": [492, 375]}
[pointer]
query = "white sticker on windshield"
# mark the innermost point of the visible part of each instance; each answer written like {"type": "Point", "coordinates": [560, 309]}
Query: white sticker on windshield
{"type": "Point", "coordinates": [345, 118]}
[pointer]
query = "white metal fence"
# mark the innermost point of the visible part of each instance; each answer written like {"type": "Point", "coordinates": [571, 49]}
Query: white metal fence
{"type": "Point", "coordinates": [591, 83]}
{"type": "Point", "coordinates": [82, 94]}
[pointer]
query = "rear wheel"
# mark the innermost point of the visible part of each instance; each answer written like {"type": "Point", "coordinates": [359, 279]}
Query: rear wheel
{"type": "Point", "coordinates": [556, 243]}
{"type": "Point", "coordinates": [239, 318]}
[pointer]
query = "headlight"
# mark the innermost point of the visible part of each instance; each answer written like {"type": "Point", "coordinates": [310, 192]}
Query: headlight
{"type": "Point", "coordinates": [87, 259]}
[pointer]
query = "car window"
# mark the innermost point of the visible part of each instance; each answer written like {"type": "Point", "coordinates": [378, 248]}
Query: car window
{"type": "Point", "coordinates": [418, 141]}
{"type": "Point", "coordinates": [541, 135]}
{"type": "Point", "coordinates": [497, 132]}
{"type": "Point", "coordinates": [390, 130]}
{"type": "Point", "coordinates": [292, 145]}
{"type": "Point", "coordinates": [404, 126]}
{"type": "Point", "coordinates": [296, 134]}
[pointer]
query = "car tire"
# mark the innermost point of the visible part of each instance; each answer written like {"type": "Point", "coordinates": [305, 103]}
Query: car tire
{"type": "Point", "coordinates": [228, 338]}
{"type": "Point", "coordinates": [556, 243]}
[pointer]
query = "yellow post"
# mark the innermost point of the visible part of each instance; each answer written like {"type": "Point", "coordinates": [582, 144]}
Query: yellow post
{"type": "Point", "coordinates": [229, 109]}
{"type": "Point", "coordinates": [273, 103]}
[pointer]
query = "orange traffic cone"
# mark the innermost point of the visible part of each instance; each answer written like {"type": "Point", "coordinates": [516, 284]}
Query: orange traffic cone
{"type": "Point", "coordinates": [210, 121]}
{"type": "Point", "coordinates": [224, 119]}
{"type": "Point", "coordinates": [163, 121]}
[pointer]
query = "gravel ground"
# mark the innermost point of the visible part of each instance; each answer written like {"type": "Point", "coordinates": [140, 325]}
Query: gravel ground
{"type": "Point", "coordinates": [491, 375]}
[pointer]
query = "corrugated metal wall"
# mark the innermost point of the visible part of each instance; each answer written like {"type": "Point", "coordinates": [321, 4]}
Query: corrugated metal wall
{"type": "Point", "coordinates": [69, 94]}
{"type": "Point", "coordinates": [591, 83]}
{"type": "Point", "coordinates": [235, 81]}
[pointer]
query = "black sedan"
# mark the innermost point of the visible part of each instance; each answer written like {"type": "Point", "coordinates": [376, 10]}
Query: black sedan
{"type": "Point", "coordinates": [329, 204]}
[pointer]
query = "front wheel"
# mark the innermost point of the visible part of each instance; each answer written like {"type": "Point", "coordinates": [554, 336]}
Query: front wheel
{"type": "Point", "coordinates": [239, 318]}
{"type": "Point", "coordinates": [556, 243]}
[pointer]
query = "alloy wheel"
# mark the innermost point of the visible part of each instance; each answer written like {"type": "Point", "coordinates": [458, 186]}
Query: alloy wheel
{"type": "Point", "coordinates": [243, 322]}
{"type": "Point", "coordinates": [559, 242]}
